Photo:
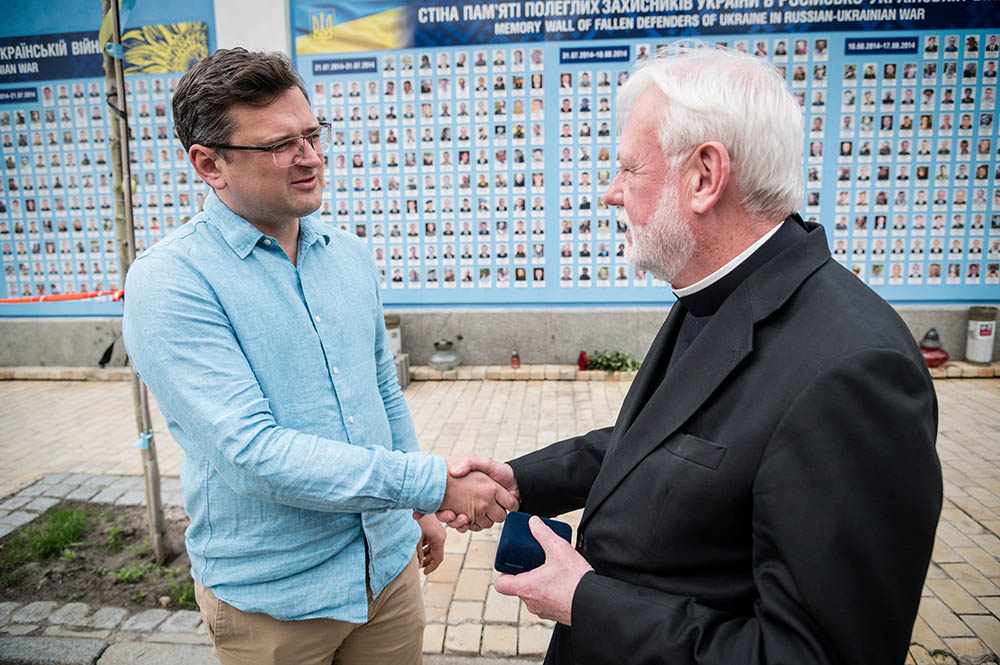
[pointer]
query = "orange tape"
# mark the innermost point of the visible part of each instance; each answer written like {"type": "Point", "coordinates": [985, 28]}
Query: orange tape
{"type": "Point", "coordinates": [115, 295]}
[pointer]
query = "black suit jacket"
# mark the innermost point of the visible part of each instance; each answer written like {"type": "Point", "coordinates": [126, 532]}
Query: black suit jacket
{"type": "Point", "coordinates": [772, 498]}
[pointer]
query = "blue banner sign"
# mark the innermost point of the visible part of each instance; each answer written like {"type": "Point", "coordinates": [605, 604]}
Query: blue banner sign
{"type": "Point", "coordinates": [68, 55]}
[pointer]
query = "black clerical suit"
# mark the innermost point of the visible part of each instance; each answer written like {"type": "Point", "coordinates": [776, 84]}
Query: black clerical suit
{"type": "Point", "coordinates": [768, 494]}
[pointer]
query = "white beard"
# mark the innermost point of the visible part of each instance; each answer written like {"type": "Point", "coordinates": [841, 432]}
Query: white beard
{"type": "Point", "coordinates": [665, 244]}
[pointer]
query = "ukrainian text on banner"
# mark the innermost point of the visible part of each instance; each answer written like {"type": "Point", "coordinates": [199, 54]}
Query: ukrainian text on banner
{"type": "Point", "coordinates": [385, 24]}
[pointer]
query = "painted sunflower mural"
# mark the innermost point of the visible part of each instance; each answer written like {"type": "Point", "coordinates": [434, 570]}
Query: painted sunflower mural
{"type": "Point", "coordinates": [159, 49]}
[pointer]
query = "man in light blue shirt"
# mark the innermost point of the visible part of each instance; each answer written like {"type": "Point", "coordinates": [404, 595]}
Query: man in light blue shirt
{"type": "Point", "coordinates": [260, 332]}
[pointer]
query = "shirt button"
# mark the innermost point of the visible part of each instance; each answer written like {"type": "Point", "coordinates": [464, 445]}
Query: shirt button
{"type": "Point", "coordinates": [316, 319]}
{"type": "Point", "coordinates": [267, 241]}
{"type": "Point", "coordinates": [336, 371]}
{"type": "Point", "coordinates": [351, 420]}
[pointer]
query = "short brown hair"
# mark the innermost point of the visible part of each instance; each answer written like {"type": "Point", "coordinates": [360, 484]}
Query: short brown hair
{"type": "Point", "coordinates": [208, 90]}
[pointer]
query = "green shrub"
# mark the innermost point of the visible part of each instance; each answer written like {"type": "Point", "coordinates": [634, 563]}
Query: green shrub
{"type": "Point", "coordinates": [612, 361]}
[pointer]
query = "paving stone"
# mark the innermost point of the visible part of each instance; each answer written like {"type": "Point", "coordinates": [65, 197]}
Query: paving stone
{"type": "Point", "coordinates": [463, 640]}
{"type": "Point", "coordinates": [108, 617]}
{"type": "Point", "coordinates": [481, 555]}
{"type": "Point", "coordinates": [19, 629]}
{"type": "Point", "coordinates": [145, 622]}
{"type": "Point", "coordinates": [433, 638]}
{"type": "Point", "coordinates": [533, 640]}
{"type": "Point", "coordinates": [501, 608]}
{"type": "Point", "coordinates": [127, 483]}
{"type": "Point", "coordinates": [70, 614]}
{"type": "Point", "coordinates": [60, 490]}
{"type": "Point", "coordinates": [982, 560]}
{"type": "Point", "coordinates": [107, 495]}
{"type": "Point", "coordinates": [472, 584]}
{"type": "Point", "coordinates": [82, 494]}
{"type": "Point", "coordinates": [17, 518]}
{"type": "Point", "coordinates": [51, 650]}
{"type": "Point", "coordinates": [499, 641]}
{"type": "Point", "coordinates": [448, 570]}
{"type": "Point", "coordinates": [438, 594]}
{"type": "Point", "coordinates": [133, 498]}
{"type": "Point", "coordinates": [184, 621]}
{"type": "Point", "coordinates": [150, 653]}
{"type": "Point", "coordinates": [465, 611]}
{"type": "Point", "coordinates": [918, 655]}
{"type": "Point", "coordinates": [456, 543]}
{"type": "Point", "coordinates": [941, 619]}
{"type": "Point", "coordinates": [987, 628]}
{"type": "Point", "coordinates": [42, 503]}
{"type": "Point", "coordinates": [33, 490]}
{"type": "Point", "coordinates": [6, 609]}
{"type": "Point", "coordinates": [76, 478]}
{"type": "Point", "coordinates": [971, 579]}
{"type": "Point", "coordinates": [4, 530]}
{"type": "Point", "coordinates": [34, 612]}
{"type": "Point", "coordinates": [966, 651]}
{"type": "Point", "coordinates": [63, 631]}
{"type": "Point", "coordinates": [436, 614]}
{"type": "Point", "coordinates": [180, 638]}
{"type": "Point", "coordinates": [99, 481]}
{"type": "Point", "coordinates": [14, 502]}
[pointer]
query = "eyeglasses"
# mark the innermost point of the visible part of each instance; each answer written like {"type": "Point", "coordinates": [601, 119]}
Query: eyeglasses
{"type": "Point", "coordinates": [290, 151]}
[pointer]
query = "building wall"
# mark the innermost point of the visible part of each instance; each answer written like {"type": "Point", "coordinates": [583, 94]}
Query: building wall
{"type": "Point", "coordinates": [541, 336]}
{"type": "Point", "coordinates": [257, 25]}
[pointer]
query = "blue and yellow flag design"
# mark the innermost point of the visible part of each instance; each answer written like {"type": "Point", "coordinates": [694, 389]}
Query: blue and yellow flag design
{"type": "Point", "coordinates": [367, 25]}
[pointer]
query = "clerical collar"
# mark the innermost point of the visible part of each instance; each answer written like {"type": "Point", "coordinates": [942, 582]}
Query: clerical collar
{"type": "Point", "coordinates": [704, 297]}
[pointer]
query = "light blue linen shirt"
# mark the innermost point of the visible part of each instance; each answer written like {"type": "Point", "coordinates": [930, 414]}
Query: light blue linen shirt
{"type": "Point", "coordinates": [278, 383]}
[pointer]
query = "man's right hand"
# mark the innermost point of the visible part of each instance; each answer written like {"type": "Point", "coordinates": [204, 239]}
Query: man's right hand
{"type": "Point", "coordinates": [478, 499]}
{"type": "Point", "coordinates": [462, 466]}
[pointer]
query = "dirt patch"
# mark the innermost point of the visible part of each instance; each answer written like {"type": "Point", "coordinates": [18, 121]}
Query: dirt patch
{"type": "Point", "coordinates": [110, 564]}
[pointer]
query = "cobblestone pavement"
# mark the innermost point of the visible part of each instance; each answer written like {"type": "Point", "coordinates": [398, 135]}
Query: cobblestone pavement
{"type": "Point", "coordinates": [71, 440]}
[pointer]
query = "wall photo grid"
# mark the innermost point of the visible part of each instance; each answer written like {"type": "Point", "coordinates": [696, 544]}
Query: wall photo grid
{"type": "Point", "coordinates": [476, 173]}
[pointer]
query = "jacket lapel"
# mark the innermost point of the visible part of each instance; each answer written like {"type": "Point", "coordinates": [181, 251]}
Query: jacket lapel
{"type": "Point", "coordinates": [724, 343]}
{"type": "Point", "coordinates": [650, 374]}
{"type": "Point", "coordinates": [720, 347]}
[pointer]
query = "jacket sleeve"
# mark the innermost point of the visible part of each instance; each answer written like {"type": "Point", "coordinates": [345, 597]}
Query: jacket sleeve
{"type": "Point", "coordinates": [557, 479]}
{"type": "Point", "coordinates": [845, 505]}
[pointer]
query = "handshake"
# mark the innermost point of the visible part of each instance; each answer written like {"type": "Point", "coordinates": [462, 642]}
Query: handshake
{"type": "Point", "coordinates": [479, 493]}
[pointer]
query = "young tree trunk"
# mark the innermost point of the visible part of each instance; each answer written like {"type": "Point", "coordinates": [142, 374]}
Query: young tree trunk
{"type": "Point", "coordinates": [121, 178]}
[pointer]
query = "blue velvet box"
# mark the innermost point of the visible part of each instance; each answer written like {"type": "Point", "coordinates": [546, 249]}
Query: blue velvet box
{"type": "Point", "coordinates": [518, 551]}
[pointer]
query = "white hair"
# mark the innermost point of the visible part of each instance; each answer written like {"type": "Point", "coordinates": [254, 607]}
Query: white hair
{"type": "Point", "coordinates": [737, 99]}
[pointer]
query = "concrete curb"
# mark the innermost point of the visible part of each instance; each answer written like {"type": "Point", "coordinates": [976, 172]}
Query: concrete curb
{"type": "Point", "coordinates": [50, 650]}
{"type": "Point", "coordinates": [958, 369]}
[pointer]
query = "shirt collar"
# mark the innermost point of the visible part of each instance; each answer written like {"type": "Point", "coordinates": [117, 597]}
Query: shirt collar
{"type": "Point", "coordinates": [242, 236]}
{"type": "Point", "coordinates": [705, 296]}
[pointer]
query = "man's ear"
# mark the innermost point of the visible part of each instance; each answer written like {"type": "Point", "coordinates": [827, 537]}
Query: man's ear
{"type": "Point", "coordinates": [206, 163]}
{"type": "Point", "coordinates": [710, 166]}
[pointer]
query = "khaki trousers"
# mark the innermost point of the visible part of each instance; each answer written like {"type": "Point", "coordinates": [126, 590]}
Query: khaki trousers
{"type": "Point", "coordinates": [394, 633]}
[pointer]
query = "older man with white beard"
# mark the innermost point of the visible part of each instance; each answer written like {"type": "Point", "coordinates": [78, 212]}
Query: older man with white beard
{"type": "Point", "coordinates": [770, 490]}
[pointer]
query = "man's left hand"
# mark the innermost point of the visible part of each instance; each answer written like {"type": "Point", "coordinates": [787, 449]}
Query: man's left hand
{"type": "Point", "coordinates": [548, 590]}
{"type": "Point", "coordinates": [430, 549]}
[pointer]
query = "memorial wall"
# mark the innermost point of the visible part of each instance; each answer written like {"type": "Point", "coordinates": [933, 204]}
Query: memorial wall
{"type": "Point", "coordinates": [473, 143]}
